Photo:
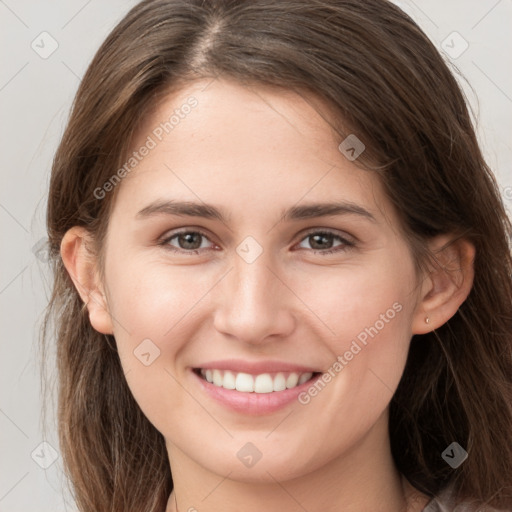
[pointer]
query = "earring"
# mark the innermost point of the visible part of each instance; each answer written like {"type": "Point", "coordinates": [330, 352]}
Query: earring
{"type": "Point", "coordinates": [427, 320]}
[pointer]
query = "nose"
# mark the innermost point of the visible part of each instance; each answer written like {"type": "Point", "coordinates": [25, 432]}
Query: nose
{"type": "Point", "coordinates": [255, 304]}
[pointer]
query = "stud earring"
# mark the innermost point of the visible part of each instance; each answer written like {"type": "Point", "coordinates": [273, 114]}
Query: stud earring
{"type": "Point", "coordinates": [427, 320]}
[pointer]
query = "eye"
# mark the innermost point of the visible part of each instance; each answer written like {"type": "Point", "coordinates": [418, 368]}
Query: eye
{"type": "Point", "coordinates": [188, 242]}
{"type": "Point", "coordinates": [322, 242]}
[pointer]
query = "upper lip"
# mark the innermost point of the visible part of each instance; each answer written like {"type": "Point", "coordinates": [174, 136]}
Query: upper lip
{"type": "Point", "coordinates": [256, 368]}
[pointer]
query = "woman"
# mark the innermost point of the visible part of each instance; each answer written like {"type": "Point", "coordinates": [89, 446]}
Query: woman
{"type": "Point", "coordinates": [338, 334]}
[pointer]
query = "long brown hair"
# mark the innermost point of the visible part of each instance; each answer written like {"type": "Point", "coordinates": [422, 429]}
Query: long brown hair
{"type": "Point", "coordinates": [384, 81]}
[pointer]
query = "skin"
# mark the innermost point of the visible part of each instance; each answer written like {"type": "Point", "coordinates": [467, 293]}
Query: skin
{"type": "Point", "coordinates": [254, 152]}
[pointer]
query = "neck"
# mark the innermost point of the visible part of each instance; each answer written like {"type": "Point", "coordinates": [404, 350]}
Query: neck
{"type": "Point", "coordinates": [364, 478]}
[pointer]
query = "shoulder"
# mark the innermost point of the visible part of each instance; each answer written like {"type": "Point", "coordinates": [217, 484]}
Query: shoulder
{"type": "Point", "coordinates": [444, 502]}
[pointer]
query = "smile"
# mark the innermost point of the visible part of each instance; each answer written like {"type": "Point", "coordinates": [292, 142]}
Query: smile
{"type": "Point", "coordinates": [248, 383]}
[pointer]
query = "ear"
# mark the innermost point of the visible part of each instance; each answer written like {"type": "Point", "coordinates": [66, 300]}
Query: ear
{"type": "Point", "coordinates": [81, 264]}
{"type": "Point", "coordinates": [447, 285]}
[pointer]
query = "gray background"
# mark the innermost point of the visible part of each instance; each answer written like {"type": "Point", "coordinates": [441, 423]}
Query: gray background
{"type": "Point", "coordinates": [35, 96]}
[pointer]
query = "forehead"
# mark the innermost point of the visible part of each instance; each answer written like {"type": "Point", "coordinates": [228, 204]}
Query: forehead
{"type": "Point", "coordinates": [217, 140]}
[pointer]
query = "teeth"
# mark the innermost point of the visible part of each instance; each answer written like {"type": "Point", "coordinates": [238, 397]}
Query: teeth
{"type": "Point", "coordinates": [263, 384]}
{"type": "Point", "coordinates": [292, 380]}
{"type": "Point", "coordinates": [217, 378]}
{"type": "Point", "coordinates": [244, 382]}
{"type": "Point", "coordinates": [229, 381]}
{"type": "Point", "coordinates": [247, 383]}
{"type": "Point", "coordinates": [279, 382]}
{"type": "Point", "coordinates": [304, 377]}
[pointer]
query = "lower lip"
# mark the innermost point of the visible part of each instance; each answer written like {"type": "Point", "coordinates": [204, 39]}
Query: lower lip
{"type": "Point", "coordinates": [254, 403]}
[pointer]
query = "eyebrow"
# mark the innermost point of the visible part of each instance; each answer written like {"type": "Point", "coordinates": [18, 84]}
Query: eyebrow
{"type": "Point", "coordinates": [308, 211]}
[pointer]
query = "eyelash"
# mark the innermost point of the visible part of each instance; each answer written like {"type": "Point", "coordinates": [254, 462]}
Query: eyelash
{"type": "Point", "coordinates": [347, 245]}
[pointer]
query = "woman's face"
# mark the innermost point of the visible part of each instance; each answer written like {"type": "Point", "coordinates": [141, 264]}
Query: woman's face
{"type": "Point", "coordinates": [261, 288]}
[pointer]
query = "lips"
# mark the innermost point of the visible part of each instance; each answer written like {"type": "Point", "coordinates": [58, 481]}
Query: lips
{"type": "Point", "coordinates": [254, 387]}
{"type": "Point", "coordinates": [259, 402]}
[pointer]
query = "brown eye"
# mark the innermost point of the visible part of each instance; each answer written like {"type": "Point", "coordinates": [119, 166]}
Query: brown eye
{"type": "Point", "coordinates": [322, 242]}
{"type": "Point", "coordinates": [186, 241]}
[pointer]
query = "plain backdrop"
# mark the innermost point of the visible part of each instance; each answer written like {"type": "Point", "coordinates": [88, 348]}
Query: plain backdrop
{"type": "Point", "coordinates": [46, 47]}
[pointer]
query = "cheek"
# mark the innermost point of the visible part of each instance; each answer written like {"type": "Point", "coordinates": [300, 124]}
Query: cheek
{"type": "Point", "coordinates": [360, 301]}
{"type": "Point", "coordinates": [150, 298]}
{"type": "Point", "coordinates": [149, 308]}
{"type": "Point", "coordinates": [368, 311]}
{"type": "Point", "coordinates": [148, 303]}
